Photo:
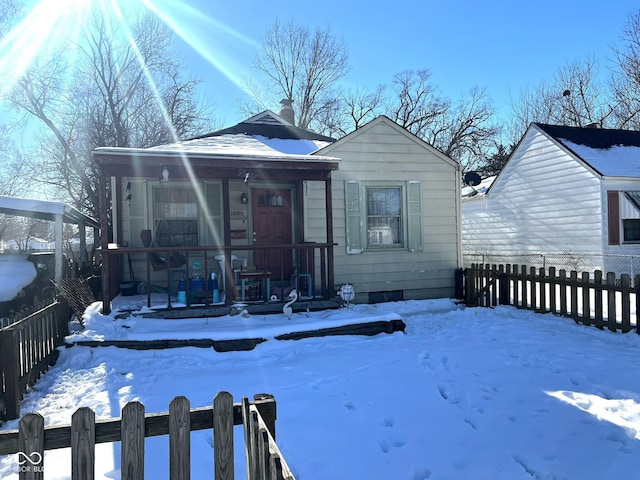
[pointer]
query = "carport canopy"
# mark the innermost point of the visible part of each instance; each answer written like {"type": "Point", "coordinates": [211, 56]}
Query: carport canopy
{"type": "Point", "coordinates": [57, 212]}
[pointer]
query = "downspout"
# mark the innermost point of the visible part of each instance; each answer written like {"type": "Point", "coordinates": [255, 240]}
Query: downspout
{"type": "Point", "coordinates": [329, 216]}
{"type": "Point", "coordinates": [458, 189]}
{"type": "Point", "coordinates": [104, 242]}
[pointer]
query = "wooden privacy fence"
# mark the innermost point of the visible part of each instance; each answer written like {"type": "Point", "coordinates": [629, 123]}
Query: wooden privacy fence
{"type": "Point", "coordinates": [264, 459]}
{"type": "Point", "coordinates": [594, 299]}
{"type": "Point", "coordinates": [27, 348]}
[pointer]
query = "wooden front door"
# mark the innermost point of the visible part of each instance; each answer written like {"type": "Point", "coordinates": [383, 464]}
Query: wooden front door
{"type": "Point", "coordinates": [272, 226]}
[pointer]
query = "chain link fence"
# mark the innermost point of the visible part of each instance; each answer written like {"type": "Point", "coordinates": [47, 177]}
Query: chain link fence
{"type": "Point", "coordinates": [580, 262]}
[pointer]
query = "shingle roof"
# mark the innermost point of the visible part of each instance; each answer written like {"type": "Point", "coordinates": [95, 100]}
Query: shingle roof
{"type": "Point", "coordinates": [268, 124]}
{"type": "Point", "coordinates": [609, 152]}
{"type": "Point", "coordinates": [593, 137]}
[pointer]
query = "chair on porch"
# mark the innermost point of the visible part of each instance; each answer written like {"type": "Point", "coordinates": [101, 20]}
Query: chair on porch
{"type": "Point", "coordinates": [254, 284]}
{"type": "Point", "coordinates": [304, 272]}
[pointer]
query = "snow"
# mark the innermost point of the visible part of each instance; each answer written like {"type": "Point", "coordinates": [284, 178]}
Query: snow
{"type": "Point", "coordinates": [617, 161]}
{"type": "Point", "coordinates": [240, 144]}
{"type": "Point", "coordinates": [16, 272]}
{"type": "Point", "coordinates": [464, 393]}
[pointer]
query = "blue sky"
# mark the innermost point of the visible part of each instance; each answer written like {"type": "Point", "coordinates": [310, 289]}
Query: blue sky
{"type": "Point", "coordinates": [500, 45]}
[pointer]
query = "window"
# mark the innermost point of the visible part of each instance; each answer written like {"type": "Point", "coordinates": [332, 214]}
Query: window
{"type": "Point", "coordinates": [175, 216]}
{"type": "Point", "coordinates": [631, 230]}
{"type": "Point", "coordinates": [384, 217]}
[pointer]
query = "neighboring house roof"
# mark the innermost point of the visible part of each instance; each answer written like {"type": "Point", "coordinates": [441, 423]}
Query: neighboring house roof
{"type": "Point", "coordinates": [614, 153]}
{"type": "Point", "coordinates": [479, 190]}
{"type": "Point", "coordinates": [44, 210]}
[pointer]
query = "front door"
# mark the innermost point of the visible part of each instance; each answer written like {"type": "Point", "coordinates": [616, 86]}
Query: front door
{"type": "Point", "coordinates": [272, 226]}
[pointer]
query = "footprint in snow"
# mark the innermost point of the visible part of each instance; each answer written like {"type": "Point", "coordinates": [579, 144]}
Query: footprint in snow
{"type": "Point", "coordinates": [388, 422]}
{"type": "Point", "coordinates": [421, 473]}
{"type": "Point", "coordinates": [386, 444]}
{"type": "Point", "coordinates": [349, 406]}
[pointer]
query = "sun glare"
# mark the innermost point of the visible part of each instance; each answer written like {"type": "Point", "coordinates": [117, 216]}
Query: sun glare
{"type": "Point", "coordinates": [48, 24]}
{"type": "Point", "coordinates": [623, 412]}
{"type": "Point", "coordinates": [203, 34]}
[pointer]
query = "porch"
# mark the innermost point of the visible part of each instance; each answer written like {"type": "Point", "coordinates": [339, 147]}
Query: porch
{"type": "Point", "coordinates": [170, 273]}
{"type": "Point", "coordinates": [242, 217]}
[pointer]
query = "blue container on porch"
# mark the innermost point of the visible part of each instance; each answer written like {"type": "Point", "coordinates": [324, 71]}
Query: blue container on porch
{"type": "Point", "coordinates": [213, 286]}
{"type": "Point", "coordinates": [182, 294]}
{"type": "Point", "coordinates": [197, 286]}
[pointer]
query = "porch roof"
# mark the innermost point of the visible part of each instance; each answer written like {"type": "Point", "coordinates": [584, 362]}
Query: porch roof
{"type": "Point", "coordinates": [130, 161]}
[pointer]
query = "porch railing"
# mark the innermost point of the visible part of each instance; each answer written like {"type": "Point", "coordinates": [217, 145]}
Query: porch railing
{"type": "Point", "coordinates": [312, 262]}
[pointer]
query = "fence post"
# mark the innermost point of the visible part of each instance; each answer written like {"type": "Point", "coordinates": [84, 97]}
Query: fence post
{"type": "Point", "coordinates": [637, 307]}
{"type": "Point", "coordinates": [11, 367]}
{"type": "Point", "coordinates": [83, 444]}
{"type": "Point", "coordinates": [132, 441]}
{"type": "Point", "coordinates": [504, 288]}
{"type": "Point", "coordinates": [31, 446]}
{"type": "Point", "coordinates": [179, 438]}
{"type": "Point", "coordinates": [266, 405]}
{"type": "Point", "coordinates": [223, 436]}
{"type": "Point", "coordinates": [470, 286]}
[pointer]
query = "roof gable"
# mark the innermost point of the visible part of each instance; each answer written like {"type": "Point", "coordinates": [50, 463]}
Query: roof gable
{"type": "Point", "coordinates": [384, 120]}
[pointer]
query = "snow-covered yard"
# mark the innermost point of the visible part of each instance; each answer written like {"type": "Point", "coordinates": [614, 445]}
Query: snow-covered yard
{"type": "Point", "coordinates": [470, 393]}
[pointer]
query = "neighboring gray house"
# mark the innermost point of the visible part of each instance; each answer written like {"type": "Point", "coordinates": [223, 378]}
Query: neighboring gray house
{"type": "Point", "coordinates": [568, 197]}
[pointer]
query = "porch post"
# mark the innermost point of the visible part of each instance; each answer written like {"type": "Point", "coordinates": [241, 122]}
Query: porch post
{"type": "Point", "coordinates": [229, 279]}
{"type": "Point", "coordinates": [329, 209]}
{"type": "Point", "coordinates": [104, 242]}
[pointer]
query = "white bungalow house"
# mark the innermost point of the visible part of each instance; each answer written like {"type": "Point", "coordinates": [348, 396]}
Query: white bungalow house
{"type": "Point", "coordinates": [379, 209]}
{"type": "Point", "coordinates": [567, 197]}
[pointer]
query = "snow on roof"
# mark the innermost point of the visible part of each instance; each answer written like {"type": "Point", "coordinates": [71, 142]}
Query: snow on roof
{"type": "Point", "coordinates": [611, 152]}
{"type": "Point", "coordinates": [615, 161]}
{"type": "Point", "coordinates": [480, 189]}
{"type": "Point", "coordinates": [239, 144]}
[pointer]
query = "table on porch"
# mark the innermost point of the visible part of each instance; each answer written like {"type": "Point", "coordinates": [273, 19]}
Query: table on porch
{"type": "Point", "coordinates": [253, 281]}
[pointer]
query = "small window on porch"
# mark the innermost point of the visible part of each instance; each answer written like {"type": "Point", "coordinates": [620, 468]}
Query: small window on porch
{"type": "Point", "coordinates": [175, 215]}
{"type": "Point", "coordinates": [270, 200]}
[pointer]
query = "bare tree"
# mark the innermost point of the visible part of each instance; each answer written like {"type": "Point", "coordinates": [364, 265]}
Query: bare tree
{"type": "Point", "coordinates": [466, 132]}
{"type": "Point", "coordinates": [416, 103]}
{"type": "Point", "coordinates": [625, 81]}
{"type": "Point", "coordinates": [463, 130]}
{"type": "Point", "coordinates": [125, 90]}
{"type": "Point", "coordinates": [574, 97]}
{"type": "Point", "coordinates": [352, 109]}
{"type": "Point", "coordinates": [303, 66]}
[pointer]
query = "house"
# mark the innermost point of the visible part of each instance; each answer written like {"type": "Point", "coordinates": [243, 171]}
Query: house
{"type": "Point", "coordinates": [567, 197]}
{"type": "Point", "coordinates": [396, 214]}
{"type": "Point", "coordinates": [257, 195]}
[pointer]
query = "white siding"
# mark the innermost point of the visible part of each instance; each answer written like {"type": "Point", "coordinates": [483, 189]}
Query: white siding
{"type": "Point", "coordinates": [544, 201]}
{"type": "Point", "coordinates": [383, 152]}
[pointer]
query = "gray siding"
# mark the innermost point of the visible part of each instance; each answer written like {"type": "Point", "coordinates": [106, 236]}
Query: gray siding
{"type": "Point", "coordinates": [383, 152]}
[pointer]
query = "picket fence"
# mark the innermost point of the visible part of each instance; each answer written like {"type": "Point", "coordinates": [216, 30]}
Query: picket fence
{"type": "Point", "coordinates": [603, 301]}
{"type": "Point", "coordinates": [28, 346]}
{"type": "Point", "coordinates": [263, 458]}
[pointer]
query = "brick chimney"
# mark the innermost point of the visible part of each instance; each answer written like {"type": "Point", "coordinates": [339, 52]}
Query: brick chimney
{"type": "Point", "coordinates": [287, 112]}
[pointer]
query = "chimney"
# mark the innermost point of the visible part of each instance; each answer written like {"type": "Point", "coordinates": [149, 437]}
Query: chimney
{"type": "Point", "coordinates": [287, 112]}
